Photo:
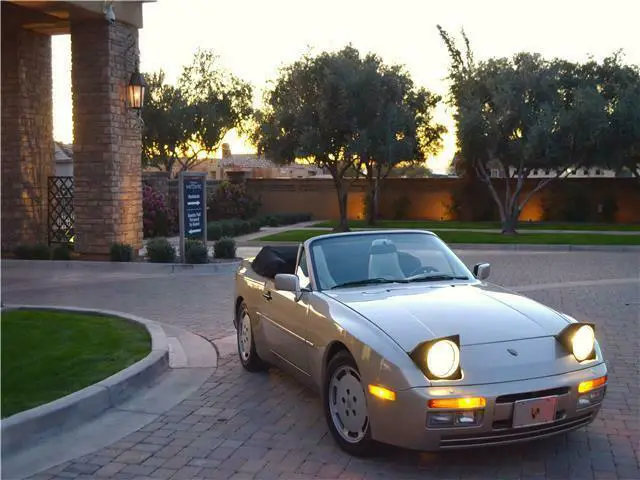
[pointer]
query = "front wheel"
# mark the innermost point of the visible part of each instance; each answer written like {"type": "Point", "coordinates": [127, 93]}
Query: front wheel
{"type": "Point", "coordinates": [345, 406]}
{"type": "Point", "coordinates": [246, 344]}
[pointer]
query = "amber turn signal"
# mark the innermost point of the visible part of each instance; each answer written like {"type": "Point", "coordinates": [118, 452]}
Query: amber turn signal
{"type": "Point", "coordinates": [589, 385]}
{"type": "Point", "coordinates": [381, 392]}
{"type": "Point", "coordinates": [458, 403]}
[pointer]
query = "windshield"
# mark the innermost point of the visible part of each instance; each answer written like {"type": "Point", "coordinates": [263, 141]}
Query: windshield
{"type": "Point", "coordinates": [384, 257]}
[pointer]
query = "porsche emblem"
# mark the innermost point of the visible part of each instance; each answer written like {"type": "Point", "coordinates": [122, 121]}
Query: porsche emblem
{"type": "Point", "coordinates": [512, 352]}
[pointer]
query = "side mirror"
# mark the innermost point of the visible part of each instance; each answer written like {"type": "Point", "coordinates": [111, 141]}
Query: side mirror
{"type": "Point", "coordinates": [481, 271]}
{"type": "Point", "coordinates": [287, 282]}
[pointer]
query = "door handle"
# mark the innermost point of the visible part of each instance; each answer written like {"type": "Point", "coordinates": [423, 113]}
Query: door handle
{"type": "Point", "coordinates": [267, 295]}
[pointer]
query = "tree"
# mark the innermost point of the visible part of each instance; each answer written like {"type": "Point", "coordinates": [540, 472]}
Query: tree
{"type": "Point", "coordinates": [185, 122]}
{"type": "Point", "coordinates": [411, 170]}
{"type": "Point", "coordinates": [620, 86]}
{"type": "Point", "coordinates": [399, 129]}
{"type": "Point", "coordinates": [349, 114]}
{"type": "Point", "coordinates": [310, 114]}
{"type": "Point", "coordinates": [524, 113]}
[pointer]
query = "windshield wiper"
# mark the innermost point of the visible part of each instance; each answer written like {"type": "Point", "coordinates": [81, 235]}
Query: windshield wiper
{"type": "Point", "coordinates": [368, 281]}
{"type": "Point", "coordinates": [436, 277]}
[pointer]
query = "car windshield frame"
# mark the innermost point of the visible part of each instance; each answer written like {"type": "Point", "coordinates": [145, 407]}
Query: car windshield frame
{"type": "Point", "coordinates": [458, 267]}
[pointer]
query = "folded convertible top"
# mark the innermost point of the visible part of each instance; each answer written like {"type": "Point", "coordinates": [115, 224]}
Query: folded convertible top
{"type": "Point", "coordinates": [273, 260]}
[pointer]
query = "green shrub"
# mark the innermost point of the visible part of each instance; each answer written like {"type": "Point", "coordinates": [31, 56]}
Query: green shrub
{"type": "Point", "coordinates": [225, 248]}
{"type": "Point", "coordinates": [255, 224]}
{"type": "Point", "coordinates": [121, 252]}
{"type": "Point", "coordinates": [41, 252]}
{"type": "Point", "coordinates": [236, 228]}
{"type": "Point", "coordinates": [195, 251]}
{"type": "Point", "coordinates": [278, 219]}
{"type": "Point", "coordinates": [214, 231]}
{"type": "Point", "coordinates": [61, 252]}
{"type": "Point", "coordinates": [285, 218]}
{"type": "Point", "coordinates": [160, 250]}
{"type": "Point", "coordinates": [23, 252]}
{"type": "Point", "coordinates": [273, 221]}
{"type": "Point", "coordinates": [568, 202]}
{"type": "Point", "coordinates": [32, 252]}
{"type": "Point", "coordinates": [228, 228]}
{"type": "Point", "coordinates": [247, 227]}
{"type": "Point", "coordinates": [401, 208]}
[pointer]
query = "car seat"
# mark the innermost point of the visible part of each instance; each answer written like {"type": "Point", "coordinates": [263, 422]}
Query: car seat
{"type": "Point", "coordinates": [384, 261]}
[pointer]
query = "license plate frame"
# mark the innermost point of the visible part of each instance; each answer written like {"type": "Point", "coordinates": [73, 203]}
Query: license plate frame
{"type": "Point", "coordinates": [534, 411]}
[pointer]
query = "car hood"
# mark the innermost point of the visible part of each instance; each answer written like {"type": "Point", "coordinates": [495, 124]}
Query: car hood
{"type": "Point", "coordinates": [479, 313]}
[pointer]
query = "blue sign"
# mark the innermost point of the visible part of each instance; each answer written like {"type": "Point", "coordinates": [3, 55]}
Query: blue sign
{"type": "Point", "coordinates": [195, 203]}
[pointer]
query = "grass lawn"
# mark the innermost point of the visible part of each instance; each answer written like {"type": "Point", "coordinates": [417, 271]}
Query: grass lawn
{"type": "Point", "coordinates": [481, 237]}
{"type": "Point", "coordinates": [485, 225]}
{"type": "Point", "coordinates": [47, 355]}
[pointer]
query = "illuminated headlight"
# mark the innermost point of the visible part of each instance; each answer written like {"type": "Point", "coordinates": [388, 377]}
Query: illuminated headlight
{"type": "Point", "coordinates": [443, 358]}
{"type": "Point", "coordinates": [439, 359]}
{"type": "Point", "coordinates": [579, 339]}
{"type": "Point", "coordinates": [583, 342]}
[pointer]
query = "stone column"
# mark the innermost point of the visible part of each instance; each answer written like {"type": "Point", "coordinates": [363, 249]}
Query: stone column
{"type": "Point", "coordinates": [107, 138]}
{"type": "Point", "coordinates": [27, 134]}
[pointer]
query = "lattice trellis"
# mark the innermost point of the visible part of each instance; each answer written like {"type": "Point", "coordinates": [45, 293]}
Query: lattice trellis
{"type": "Point", "coordinates": [61, 215]}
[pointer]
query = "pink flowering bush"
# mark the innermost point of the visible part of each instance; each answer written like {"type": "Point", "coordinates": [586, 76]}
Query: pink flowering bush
{"type": "Point", "coordinates": [158, 219]}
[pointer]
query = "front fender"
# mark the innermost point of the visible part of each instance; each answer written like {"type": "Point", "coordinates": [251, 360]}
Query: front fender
{"type": "Point", "coordinates": [380, 360]}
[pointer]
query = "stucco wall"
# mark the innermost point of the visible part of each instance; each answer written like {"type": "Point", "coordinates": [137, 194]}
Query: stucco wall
{"type": "Point", "coordinates": [429, 198]}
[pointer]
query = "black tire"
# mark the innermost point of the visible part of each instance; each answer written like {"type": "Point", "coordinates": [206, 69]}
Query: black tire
{"type": "Point", "coordinates": [246, 343]}
{"type": "Point", "coordinates": [344, 364]}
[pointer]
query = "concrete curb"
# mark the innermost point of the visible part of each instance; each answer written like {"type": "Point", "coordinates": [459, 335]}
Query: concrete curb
{"type": "Point", "coordinates": [140, 267]}
{"type": "Point", "coordinates": [27, 427]}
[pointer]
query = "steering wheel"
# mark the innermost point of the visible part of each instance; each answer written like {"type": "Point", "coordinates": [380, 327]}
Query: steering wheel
{"type": "Point", "coordinates": [423, 269]}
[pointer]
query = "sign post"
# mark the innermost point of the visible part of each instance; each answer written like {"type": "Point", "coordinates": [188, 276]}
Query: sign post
{"type": "Point", "coordinates": [193, 208]}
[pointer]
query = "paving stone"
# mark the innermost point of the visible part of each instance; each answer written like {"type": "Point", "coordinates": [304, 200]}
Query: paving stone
{"type": "Point", "coordinates": [164, 473]}
{"type": "Point", "coordinates": [204, 463]}
{"type": "Point", "coordinates": [133, 456]}
{"type": "Point", "coordinates": [221, 453]}
{"type": "Point", "coordinates": [269, 426]}
{"type": "Point", "coordinates": [138, 469]}
{"type": "Point", "coordinates": [187, 473]}
{"type": "Point", "coordinates": [176, 462]}
{"type": "Point", "coordinates": [110, 469]}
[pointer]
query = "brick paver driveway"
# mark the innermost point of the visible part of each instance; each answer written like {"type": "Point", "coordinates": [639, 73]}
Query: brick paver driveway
{"type": "Point", "coordinates": [241, 425]}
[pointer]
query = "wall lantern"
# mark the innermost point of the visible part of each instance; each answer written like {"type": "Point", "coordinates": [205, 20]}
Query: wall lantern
{"type": "Point", "coordinates": [136, 90]}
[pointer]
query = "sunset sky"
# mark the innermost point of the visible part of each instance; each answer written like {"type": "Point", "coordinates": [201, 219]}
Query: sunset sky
{"type": "Point", "coordinates": [253, 38]}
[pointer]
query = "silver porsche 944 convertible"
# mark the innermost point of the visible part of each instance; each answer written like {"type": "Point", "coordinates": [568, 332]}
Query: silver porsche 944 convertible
{"type": "Point", "coordinates": [409, 347]}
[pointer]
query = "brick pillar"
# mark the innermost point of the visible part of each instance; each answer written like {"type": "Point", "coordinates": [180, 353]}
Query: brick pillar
{"type": "Point", "coordinates": [107, 138]}
{"type": "Point", "coordinates": [27, 134]}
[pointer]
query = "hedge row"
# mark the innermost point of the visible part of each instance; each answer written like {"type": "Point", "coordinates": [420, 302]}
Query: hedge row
{"type": "Point", "coordinates": [234, 228]}
{"type": "Point", "coordinates": [160, 250]}
{"type": "Point", "coordinates": [42, 252]}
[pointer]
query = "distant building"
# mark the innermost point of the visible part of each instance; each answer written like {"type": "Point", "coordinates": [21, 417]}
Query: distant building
{"type": "Point", "coordinates": [63, 159]}
{"type": "Point", "coordinates": [550, 172]}
{"type": "Point", "coordinates": [248, 165]}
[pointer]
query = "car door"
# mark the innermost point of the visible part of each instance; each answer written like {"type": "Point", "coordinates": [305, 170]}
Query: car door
{"type": "Point", "coordinates": [285, 320]}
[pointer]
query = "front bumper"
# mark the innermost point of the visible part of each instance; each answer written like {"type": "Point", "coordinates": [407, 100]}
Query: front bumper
{"type": "Point", "coordinates": [403, 422]}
